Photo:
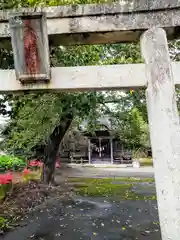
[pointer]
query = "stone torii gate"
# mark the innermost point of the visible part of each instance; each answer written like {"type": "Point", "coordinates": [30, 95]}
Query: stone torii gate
{"type": "Point", "coordinates": [150, 21]}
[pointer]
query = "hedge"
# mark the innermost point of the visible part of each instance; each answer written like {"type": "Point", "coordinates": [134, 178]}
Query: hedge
{"type": "Point", "coordinates": [11, 163]}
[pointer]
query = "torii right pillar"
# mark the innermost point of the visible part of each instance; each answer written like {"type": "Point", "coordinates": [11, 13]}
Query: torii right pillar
{"type": "Point", "coordinates": [164, 126]}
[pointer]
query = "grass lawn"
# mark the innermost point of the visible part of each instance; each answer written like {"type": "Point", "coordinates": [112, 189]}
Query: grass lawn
{"type": "Point", "coordinates": [119, 188]}
{"type": "Point", "coordinates": [145, 162]}
{"type": "Point", "coordinates": [109, 180]}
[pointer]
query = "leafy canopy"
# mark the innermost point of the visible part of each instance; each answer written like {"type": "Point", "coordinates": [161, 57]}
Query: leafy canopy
{"type": "Point", "coordinates": [33, 117]}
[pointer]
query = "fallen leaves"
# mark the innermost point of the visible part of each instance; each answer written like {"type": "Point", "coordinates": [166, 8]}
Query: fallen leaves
{"type": "Point", "coordinates": [25, 198]}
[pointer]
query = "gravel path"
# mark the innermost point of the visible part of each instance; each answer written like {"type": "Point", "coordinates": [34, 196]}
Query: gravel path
{"type": "Point", "coordinates": [79, 171]}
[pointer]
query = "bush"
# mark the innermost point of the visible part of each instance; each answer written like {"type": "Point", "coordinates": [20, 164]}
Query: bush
{"type": "Point", "coordinates": [11, 163]}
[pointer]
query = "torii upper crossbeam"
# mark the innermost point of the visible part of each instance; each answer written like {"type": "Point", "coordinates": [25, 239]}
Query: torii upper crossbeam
{"type": "Point", "coordinates": [123, 21]}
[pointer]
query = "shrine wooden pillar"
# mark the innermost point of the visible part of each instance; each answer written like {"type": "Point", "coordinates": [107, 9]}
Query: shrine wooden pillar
{"type": "Point", "coordinates": [111, 149]}
{"type": "Point", "coordinates": [89, 151]}
{"type": "Point", "coordinates": [100, 154]}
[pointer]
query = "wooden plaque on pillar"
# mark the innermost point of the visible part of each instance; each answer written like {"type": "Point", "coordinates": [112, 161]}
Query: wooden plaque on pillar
{"type": "Point", "coordinates": [29, 40]}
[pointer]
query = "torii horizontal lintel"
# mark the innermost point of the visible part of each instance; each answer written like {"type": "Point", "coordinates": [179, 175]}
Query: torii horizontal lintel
{"type": "Point", "coordinates": [86, 78]}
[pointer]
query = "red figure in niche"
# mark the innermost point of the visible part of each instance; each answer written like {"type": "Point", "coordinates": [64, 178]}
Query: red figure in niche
{"type": "Point", "coordinates": [31, 55]}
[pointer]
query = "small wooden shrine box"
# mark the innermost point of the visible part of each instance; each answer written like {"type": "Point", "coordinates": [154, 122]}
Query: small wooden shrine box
{"type": "Point", "coordinates": [30, 45]}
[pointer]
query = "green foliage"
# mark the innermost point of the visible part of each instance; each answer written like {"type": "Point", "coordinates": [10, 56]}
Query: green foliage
{"type": "Point", "coordinates": [4, 189]}
{"type": "Point", "coordinates": [4, 224]}
{"type": "Point", "coordinates": [131, 127]}
{"type": "Point", "coordinates": [33, 117]}
{"type": "Point", "coordinates": [146, 162]}
{"type": "Point", "coordinates": [31, 176]}
{"type": "Point", "coordinates": [11, 163]}
{"type": "Point", "coordinates": [6, 4]}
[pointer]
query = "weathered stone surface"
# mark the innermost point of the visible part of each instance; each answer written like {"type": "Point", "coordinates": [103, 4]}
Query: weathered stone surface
{"type": "Point", "coordinates": [122, 6]}
{"type": "Point", "coordinates": [164, 130]}
{"type": "Point", "coordinates": [81, 78]}
{"type": "Point", "coordinates": [118, 22]}
{"type": "Point", "coordinates": [86, 78]}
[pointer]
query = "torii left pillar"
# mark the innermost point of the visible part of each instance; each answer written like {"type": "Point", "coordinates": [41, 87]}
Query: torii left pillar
{"type": "Point", "coordinates": [164, 126]}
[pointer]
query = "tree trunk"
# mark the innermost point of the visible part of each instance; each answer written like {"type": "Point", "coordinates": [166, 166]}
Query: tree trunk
{"type": "Point", "coordinates": [51, 149]}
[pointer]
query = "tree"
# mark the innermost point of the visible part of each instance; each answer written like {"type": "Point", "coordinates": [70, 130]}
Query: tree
{"type": "Point", "coordinates": [131, 128]}
{"type": "Point", "coordinates": [44, 118]}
